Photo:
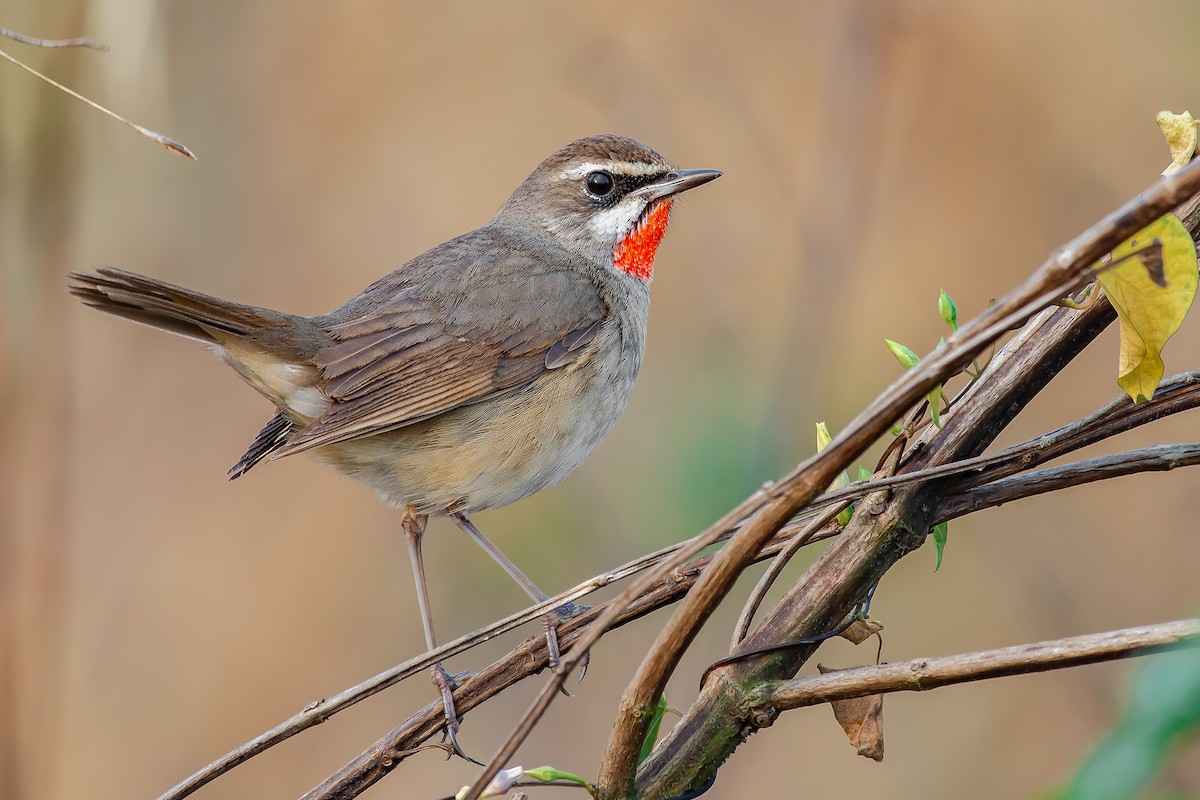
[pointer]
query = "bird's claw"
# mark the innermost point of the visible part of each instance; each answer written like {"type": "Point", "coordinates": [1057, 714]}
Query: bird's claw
{"type": "Point", "coordinates": [446, 683]}
{"type": "Point", "coordinates": [550, 623]}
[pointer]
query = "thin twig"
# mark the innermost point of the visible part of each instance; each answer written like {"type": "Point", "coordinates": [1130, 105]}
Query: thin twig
{"type": "Point", "coordinates": [91, 44]}
{"type": "Point", "coordinates": [921, 674]}
{"type": "Point", "coordinates": [1159, 458]}
{"type": "Point", "coordinates": [170, 144]}
{"type": "Point", "coordinates": [803, 538]}
{"type": "Point", "coordinates": [1121, 414]}
{"type": "Point", "coordinates": [318, 712]}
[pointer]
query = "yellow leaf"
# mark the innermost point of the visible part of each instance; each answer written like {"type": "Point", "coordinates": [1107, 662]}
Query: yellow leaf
{"type": "Point", "coordinates": [824, 437]}
{"type": "Point", "coordinates": [1180, 130]}
{"type": "Point", "coordinates": [1151, 288]}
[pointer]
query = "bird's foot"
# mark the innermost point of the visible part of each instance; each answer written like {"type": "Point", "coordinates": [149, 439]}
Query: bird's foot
{"type": "Point", "coordinates": [446, 684]}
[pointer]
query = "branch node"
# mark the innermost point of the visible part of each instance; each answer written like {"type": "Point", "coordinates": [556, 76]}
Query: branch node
{"type": "Point", "coordinates": [757, 709]}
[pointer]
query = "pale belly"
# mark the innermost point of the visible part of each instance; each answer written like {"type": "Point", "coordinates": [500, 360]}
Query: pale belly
{"type": "Point", "coordinates": [494, 453]}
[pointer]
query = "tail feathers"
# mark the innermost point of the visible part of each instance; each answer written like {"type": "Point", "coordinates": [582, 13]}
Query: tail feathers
{"type": "Point", "coordinates": [170, 308]}
{"type": "Point", "coordinates": [273, 436]}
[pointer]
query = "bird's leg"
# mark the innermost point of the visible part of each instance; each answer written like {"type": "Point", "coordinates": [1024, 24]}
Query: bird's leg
{"type": "Point", "coordinates": [552, 619]}
{"type": "Point", "coordinates": [414, 530]}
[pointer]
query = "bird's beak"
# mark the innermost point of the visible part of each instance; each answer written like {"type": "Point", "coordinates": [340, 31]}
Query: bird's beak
{"type": "Point", "coordinates": [676, 181]}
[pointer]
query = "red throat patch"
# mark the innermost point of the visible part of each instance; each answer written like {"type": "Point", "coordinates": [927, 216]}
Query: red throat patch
{"type": "Point", "coordinates": [635, 254]}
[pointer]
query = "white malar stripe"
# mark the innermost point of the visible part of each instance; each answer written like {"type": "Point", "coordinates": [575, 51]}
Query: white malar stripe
{"type": "Point", "coordinates": [617, 167]}
{"type": "Point", "coordinates": [611, 224]}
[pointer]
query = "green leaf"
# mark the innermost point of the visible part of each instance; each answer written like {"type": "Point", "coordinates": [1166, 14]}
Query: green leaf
{"type": "Point", "coordinates": [948, 310]}
{"type": "Point", "coordinates": [935, 398]}
{"type": "Point", "coordinates": [1180, 130]}
{"type": "Point", "coordinates": [1163, 713]}
{"type": "Point", "coordinates": [656, 718]}
{"type": "Point", "coordinates": [907, 358]}
{"type": "Point", "coordinates": [1151, 287]}
{"type": "Point", "coordinates": [939, 534]}
{"type": "Point", "coordinates": [864, 474]}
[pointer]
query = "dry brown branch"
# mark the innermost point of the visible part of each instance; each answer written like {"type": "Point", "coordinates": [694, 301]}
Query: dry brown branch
{"type": "Point", "coordinates": [529, 659]}
{"type": "Point", "coordinates": [873, 542]}
{"type": "Point", "coordinates": [1160, 458]}
{"type": "Point", "coordinates": [894, 524]}
{"type": "Point", "coordinates": [1120, 224]}
{"type": "Point", "coordinates": [920, 674]}
{"type": "Point", "coordinates": [1176, 393]}
{"type": "Point", "coordinates": [974, 491]}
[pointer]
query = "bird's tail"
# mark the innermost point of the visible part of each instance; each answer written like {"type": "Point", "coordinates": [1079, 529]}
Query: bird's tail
{"type": "Point", "coordinates": [271, 351]}
{"type": "Point", "coordinates": [171, 308]}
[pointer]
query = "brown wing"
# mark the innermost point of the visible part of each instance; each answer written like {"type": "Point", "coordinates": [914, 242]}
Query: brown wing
{"type": "Point", "coordinates": [428, 350]}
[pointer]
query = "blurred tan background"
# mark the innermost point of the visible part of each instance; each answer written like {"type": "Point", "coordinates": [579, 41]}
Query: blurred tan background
{"type": "Point", "coordinates": [155, 615]}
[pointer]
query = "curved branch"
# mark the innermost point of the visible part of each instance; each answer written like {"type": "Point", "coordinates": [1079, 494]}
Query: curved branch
{"type": "Point", "coordinates": [920, 674]}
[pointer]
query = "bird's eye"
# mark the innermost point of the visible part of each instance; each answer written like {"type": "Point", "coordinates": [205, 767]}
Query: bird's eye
{"type": "Point", "coordinates": [599, 183]}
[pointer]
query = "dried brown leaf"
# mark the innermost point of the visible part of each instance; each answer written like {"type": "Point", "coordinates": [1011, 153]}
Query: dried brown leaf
{"type": "Point", "coordinates": [860, 630]}
{"type": "Point", "coordinates": [862, 720]}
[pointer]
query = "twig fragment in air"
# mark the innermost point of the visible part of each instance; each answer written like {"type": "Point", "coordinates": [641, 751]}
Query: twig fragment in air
{"type": "Point", "coordinates": [170, 144]}
{"type": "Point", "coordinates": [91, 44]}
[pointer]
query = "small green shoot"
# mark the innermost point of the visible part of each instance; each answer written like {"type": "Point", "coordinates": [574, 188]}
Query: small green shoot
{"type": "Point", "coordinates": [948, 310]}
{"type": "Point", "coordinates": [656, 718]}
{"type": "Point", "coordinates": [939, 533]}
{"type": "Point", "coordinates": [824, 437]}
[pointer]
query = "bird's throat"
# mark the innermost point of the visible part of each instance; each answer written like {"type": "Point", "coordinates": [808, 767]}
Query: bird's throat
{"type": "Point", "coordinates": [635, 254]}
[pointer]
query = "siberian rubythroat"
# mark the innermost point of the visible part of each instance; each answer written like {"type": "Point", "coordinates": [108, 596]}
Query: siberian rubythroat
{"type": "Point", "coordinates": [479, 372]}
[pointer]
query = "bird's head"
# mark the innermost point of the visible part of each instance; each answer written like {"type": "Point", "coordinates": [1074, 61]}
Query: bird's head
{"type": "Point", "coordinates": [607, 198]}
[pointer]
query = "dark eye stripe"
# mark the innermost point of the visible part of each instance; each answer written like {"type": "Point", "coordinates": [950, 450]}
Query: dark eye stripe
{"type": "Point", "coordinates": [624, 184]}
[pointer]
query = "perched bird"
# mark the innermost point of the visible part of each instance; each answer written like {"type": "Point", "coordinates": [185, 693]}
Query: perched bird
{"type": "Point", "coordinates": [479, 372]}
